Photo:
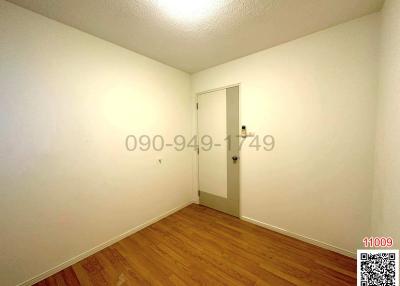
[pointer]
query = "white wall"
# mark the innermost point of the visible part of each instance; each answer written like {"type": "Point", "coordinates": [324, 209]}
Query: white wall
{"type": "Point", "coordinates": [386, 210]}
{"type": "Point", "coordinates": [317, 97]}
{"type": "Point", "coordinates": [67, 102]}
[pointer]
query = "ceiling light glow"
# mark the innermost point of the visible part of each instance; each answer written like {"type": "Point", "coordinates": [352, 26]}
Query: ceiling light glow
{"type": "Point", "coordinates": [187, 10]}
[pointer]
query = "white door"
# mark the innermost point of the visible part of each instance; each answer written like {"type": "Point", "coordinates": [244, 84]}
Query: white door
{"type": "Point", "coordinates": [218, 131]}
{"type": "Point", "coordinates": [212, 135]}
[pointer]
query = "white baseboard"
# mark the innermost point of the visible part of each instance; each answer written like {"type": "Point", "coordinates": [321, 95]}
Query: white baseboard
{"type": "Point", "coordinates": [302, 237]}
{"type": "Point", "coordinates": [99, 247]}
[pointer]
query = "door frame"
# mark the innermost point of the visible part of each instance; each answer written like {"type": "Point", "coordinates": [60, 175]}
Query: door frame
{"type": "Point", "coordinates": [197, 134]}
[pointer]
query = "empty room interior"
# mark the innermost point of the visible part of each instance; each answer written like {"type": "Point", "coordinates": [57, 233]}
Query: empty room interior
{"type": "Point", "coordinates": [208, 142]}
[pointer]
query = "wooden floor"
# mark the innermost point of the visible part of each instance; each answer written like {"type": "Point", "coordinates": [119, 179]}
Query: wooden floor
{"type": "Point", "coordinates": [200, 246]}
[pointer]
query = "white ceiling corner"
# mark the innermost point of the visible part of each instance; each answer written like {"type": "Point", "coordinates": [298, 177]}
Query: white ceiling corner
{"type": "Point", "coordinates": [236, 28]}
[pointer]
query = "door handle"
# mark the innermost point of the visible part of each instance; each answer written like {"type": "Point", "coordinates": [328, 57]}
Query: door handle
{"type": "Point", "coordinates": [235, 158]}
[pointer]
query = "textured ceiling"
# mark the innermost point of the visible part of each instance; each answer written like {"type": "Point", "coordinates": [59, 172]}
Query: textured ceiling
{"type": "Point", "coordinates": [236, 27]}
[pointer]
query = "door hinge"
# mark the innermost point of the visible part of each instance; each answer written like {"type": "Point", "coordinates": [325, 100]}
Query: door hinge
{"type": "Point", "coordinates": [198, 193]}
{"type": "Point", "coordinates": [198, 151]}
{"type": "Point", "coordinates": [197, 106]}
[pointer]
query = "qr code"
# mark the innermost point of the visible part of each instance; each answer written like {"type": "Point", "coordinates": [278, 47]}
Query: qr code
{"type": "Point", "coordinates": [378, 268]}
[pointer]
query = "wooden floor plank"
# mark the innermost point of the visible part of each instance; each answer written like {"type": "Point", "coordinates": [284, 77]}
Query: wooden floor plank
{"type": "Point", "coordinates": [201, 246]}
